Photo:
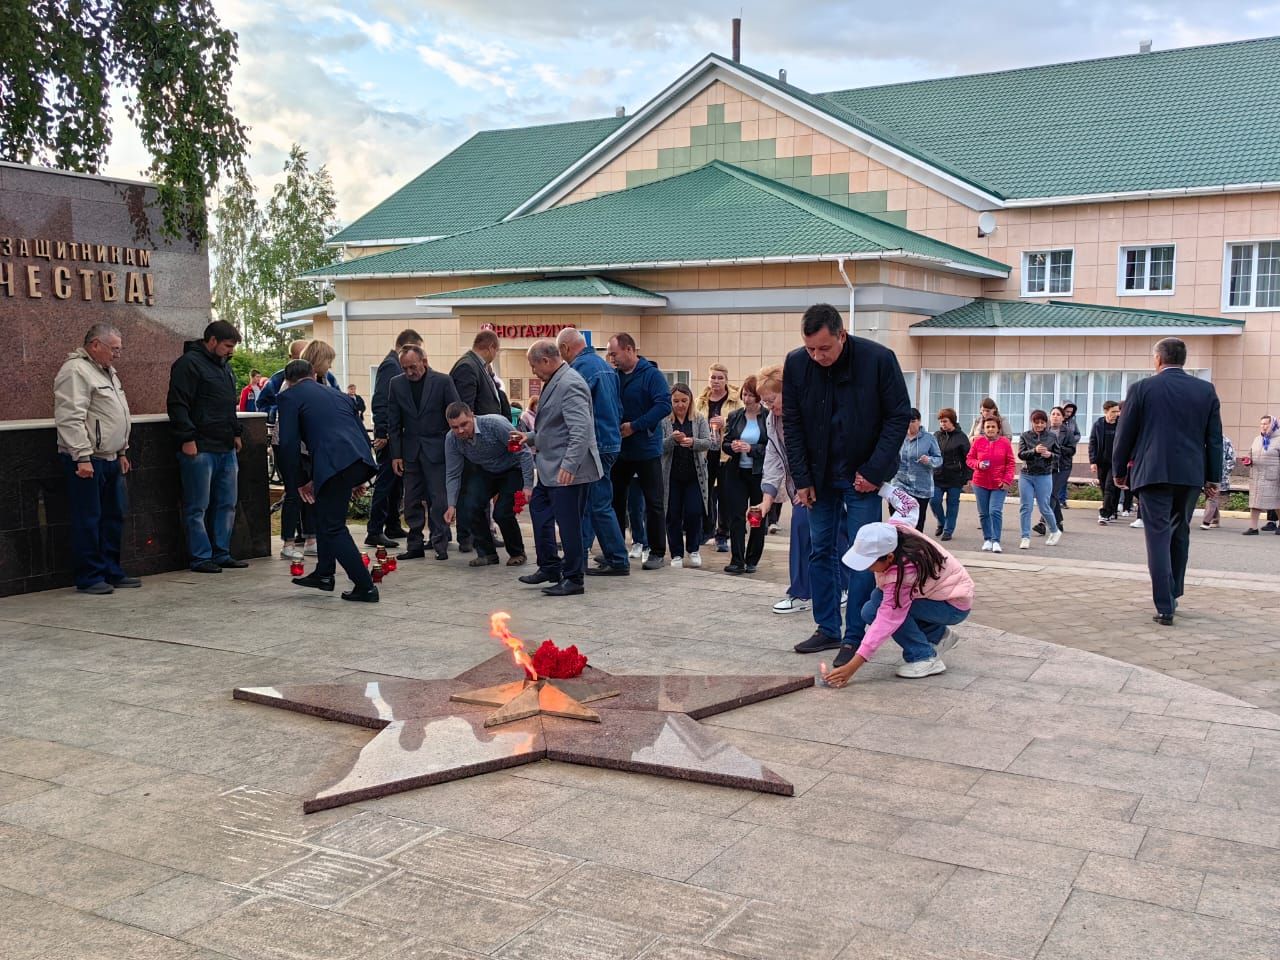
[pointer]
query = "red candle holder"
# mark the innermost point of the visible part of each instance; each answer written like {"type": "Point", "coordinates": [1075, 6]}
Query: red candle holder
{"type": "Point", "coordinates": [381, 553]}
{"type": "Point", "coordinates": [754, 519]}
{"type": "Point", "coordinates": [365, 558]}
{"type": "Point", "coordinates": [389, 566]}
{"type": "Point", "coordinates": [296, 568]}
{"type": "Point", "coordinates": [514, 445]}
{"type": "Point", "coordinates": [376, 572]}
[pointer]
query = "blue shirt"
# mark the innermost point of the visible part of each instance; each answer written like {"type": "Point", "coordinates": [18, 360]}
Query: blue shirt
{"type": "Point", "coordinates": [606, 403]}
{"type": "Point", "coordinates": [487, 450]}
{"type": "Point", "coordinates": [751, 435]}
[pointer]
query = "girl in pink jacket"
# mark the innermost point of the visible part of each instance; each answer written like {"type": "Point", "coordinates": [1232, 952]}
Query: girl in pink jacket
{"type": "Point", "coordinates": [993, 464]}
{"type": "Point", "coordinates": [921, 592]}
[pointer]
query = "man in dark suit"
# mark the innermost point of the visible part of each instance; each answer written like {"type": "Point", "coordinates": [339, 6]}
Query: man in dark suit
{"type": "Point", "coordinates": [388, 489]}
{"type": "Point", "coordinates": [477, 389]}
{"type": "Point", "coordinates": [325, 421]}
{"type": "Point", "coordinates": [416, 428]}
{"type": "Point", "coordinates": [1167, 449]}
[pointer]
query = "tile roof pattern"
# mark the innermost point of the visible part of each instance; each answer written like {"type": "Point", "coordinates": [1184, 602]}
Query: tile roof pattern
{"type": "Point", "coordinates": [1191, 117]}
{"type": "Point", "coordinates": [984, 314]}
{"type": "Point", "coordinates": [717, 212]}
{"type": "Point", "coordinates": [549, 287]}
{"type": "Point", "coordinates": [480, 182]}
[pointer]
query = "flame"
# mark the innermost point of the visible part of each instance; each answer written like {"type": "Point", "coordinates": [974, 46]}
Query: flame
{"type": "Point", "coordinates": [498, 629]}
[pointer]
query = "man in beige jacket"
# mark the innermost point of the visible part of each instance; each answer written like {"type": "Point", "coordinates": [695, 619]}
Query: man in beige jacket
{"type": "Point", "coordinates": [92, 417]}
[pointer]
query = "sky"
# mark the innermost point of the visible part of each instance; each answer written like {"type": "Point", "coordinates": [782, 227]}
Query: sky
{"type": "Point", "coordinates": [378, 90]}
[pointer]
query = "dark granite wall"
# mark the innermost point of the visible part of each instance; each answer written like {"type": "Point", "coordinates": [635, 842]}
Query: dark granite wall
{"type": "Point", "coordinates": [35, 541]}
{"type": "Point", "coordinates": [170, 294]}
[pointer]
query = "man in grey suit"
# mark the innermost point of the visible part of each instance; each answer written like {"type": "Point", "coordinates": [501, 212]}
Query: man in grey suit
{"type": "Point", "coordinates": [416, 428]}
{"type": "Point", "coordinates": [1167, 449]}
{"type": "Point", "coordinates": [568, 463]}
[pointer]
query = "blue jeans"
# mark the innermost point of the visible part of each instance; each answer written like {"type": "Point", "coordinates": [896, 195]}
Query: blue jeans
{"type": "Point", "coordinates": [798, 555]}
{"type": "Point", "coordinates": [990, 511]}
{"type": "Point", "coordinates": [923, 628]}
{"type": "Point", "coordinates": [209, 503]}
{"type": "Point", "coordinates": [635, 513]}
{"type": "Point", "coordinates": [97, 520]}
{"type": "Point", "coordinates": [600, 520]}
{"type": "Point", "coordinates": [835, 504]}
{"type": "Point", "coordinates": [946, 519]}
{"type": "Point", "coordinates": [1037, 488]}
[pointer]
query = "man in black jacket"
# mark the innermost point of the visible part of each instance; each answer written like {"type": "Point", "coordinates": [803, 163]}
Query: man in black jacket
{"type": "Point", "coordinates": [477, 389]}
{"type": "Point", "coordinates": [1168, 448]}
{"type": "Point", "coordinates": [845, 411]}
{"type": "Point", "coordinates": [1101, 440]}
{"type": "Point", "coordinates": [388, 488]}
{"type": "Point", "coordinates": [202, 405]}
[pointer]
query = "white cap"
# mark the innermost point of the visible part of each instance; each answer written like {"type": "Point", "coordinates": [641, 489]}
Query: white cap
{"type": "Point", "coordinates": [874, 541]}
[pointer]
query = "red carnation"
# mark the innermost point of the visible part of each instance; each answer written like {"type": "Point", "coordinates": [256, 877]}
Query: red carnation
{"type": "Point", "coordinates": [550, 661]}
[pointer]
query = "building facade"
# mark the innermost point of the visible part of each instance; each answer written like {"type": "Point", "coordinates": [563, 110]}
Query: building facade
{"type": "Point", "coordinates": [1025, 235]}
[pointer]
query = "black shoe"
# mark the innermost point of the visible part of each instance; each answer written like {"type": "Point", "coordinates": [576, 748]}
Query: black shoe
{"type": "Point", "coordinates": [231, 563]}
{"type": "Point", "coordinates": [818, 641]}
{"type": "Point", "coordinates": [206, 566]}
{"type": "Point", "coordinates": [311, 580]}
{"type": "Point", "coordinates": [847, 650]}
{"type": "Point", "coordinates": [442, 553]}
{"type": "Point", "coordinates": [1163, 620]}
{"type": "Point", "coordinates": [1251, 532]}
{"type": "Point", "coordinates": [362, 596]}
{"type": "Point", "coordinates": [565, 588]}
{"type": "Point", "coordinates": [749, 568]}
{"type": "Point", "coordinates": [1040, 528]}
{"type": "Point", "coordinates": [937, 531]}
{"type": "Point", "coordinates": [1269, 526]}
{"type": "Point", "coordinates": [397, 533]}
{"type": "Point", "coordinates": [734, 568]}
{"type": "Point", "coordinates": [609, 572]}
{"type": "Point", "coordinates": [482, 561]}
{"type": "Point", "coordinates": [946, 537]}
{"type": "Point", "coordinates": [99, 589]}
{"type": "Point", "coordinates": [126, 582]}
{"type": "Point", "coordinates": [538, 576]}
{"type": "Point", "coordinates": [517, 560]}
{"type": "Point", "coordinates": [411, 555]}
{"type": "Point", "coordinates": [380, 540]}
{"type": "Point", "coordinates": [465, 546]}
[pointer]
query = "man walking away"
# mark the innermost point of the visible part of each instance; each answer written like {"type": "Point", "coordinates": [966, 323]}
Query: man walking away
{"type": "Point", "coordinates": [1167, 449]}
{"type": "Point", "coordinates": [646, 402]}
{"type": "Point", "coordinates": [388, 490]}
{"type": "Point", "coordinates": [1101, 441]}
{"type": "Point", "coordinates": [567, 463]}
{"type": "Point", "coordinates": [92, 417]}
{"type": "Point", "coordinates": [202, 412]}
{"type": "Point", "coordinates": [478, 467]}
{"type": "Point", "coordinates": [324, 419]}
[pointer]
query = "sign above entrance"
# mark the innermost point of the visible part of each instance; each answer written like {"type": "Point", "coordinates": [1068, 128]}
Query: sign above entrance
{"type": "Point", "coordinates": [530, 331]}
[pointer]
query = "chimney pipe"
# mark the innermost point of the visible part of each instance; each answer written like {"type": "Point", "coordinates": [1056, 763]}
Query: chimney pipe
{"type": "Point", "coordinates": [737, 39]}
{"type": "Point", "coordinates": [620, 112]}
{"type": "Point", "coordinates": [782, 74]}
{"type": "Point", "coordinates": [1144, 46]}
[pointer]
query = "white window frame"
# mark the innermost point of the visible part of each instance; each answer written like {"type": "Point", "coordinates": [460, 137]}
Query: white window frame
{"type": "Point", "coordinates": [679, 376]}
{"type": "Point", "coordinates": [1048, 251]}
{"type": "Point", "coordinates": [1227, 306]}
{"type": "Point", "coordinates": [1144, 291]}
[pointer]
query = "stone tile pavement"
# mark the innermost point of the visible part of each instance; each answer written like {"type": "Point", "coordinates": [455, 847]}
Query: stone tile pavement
{"type": "Point", "coordinates": [1035, 801]}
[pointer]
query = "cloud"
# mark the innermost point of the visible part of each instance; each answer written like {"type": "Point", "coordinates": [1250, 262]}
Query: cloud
{"type": "Point", "coordinates": [462, 74]}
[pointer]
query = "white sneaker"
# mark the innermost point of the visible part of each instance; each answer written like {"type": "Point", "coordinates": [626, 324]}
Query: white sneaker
{"type": "Point", "coordinates": [986, 546]}
{"type": "Point", "coordinates": [949, 639]}
{"type": "Point", "coordinates": [311, 550]}
{"type": "Point", "coordinates": [644, 554]}
{"type": "Point", "coordinates": [790, 605]}
{"type": "Point", "coordinates": [1126, 513]}
{"type": "Point", "coordinates": [1137, 524]}
{"type": "Point", "coordinates": [290, 552]}
{"type": "Point", "coordinates": [695, 559]}
{"type": "Point", "coordinates": [773, 528]}
{"type": "Point", "coordinates": [1052, 539]}
{"type": "Point", "coordinates": [1024, 543]}
{"type": "Point", "coordinates": [636, 552]}
{"type": "Point", "coordinates": [995, 547]}
{"type": "Point", "coordinates": [677, 563]}
{"type": "Point", "coordinates": [921, 668]}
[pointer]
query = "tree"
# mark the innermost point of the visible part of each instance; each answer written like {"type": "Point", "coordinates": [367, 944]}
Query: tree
{"type": "Point", "coordinates": [60, 59]}
{"type": "Point", "coordinates": [238, 295]}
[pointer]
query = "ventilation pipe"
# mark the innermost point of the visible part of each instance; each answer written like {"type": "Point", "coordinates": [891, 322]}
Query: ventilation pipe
{"type": "Point", "coordinates": [782, 74]}
{"type": "Point", "coordinates": [620, 112]}
{"type": "Point", "coordinates": [1144, 46]}
{"type": "Point", "coordinates": [737, 39]}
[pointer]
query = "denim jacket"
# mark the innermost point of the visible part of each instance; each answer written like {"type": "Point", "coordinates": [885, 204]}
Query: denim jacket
{"type": "Point", "coordinates": [913, 476]}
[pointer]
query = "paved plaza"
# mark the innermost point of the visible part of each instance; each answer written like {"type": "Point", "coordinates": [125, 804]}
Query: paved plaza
{"type": "Point", "coordinates": [1035, 801]}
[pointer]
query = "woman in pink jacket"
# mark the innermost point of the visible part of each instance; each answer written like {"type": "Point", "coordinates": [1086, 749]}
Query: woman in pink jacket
{"type": "Point", "coordinates": [921, 592]}
{"type": "Point", "coordinates": [993, 464]}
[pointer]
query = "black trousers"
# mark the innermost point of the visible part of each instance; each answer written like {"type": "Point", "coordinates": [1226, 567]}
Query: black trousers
{"type": "Point", "coordinates": [560, 507]}
{"type": "Point", "coordinates": [333, 541]}
{"type": "Point", "coordinates": [716, 518]}
{"type": "Point", "coordinates": [479, 486]}
{"type": "Point", "coordinates": [388, 491]}
{"type": "Point", "coordinates": [1110, 492]}
{"type": "Point", "coordinates": [1166, 526]}
{"type": "Point", "coordinates": [741, 489]}
{"type": "Point", "coordinates": [648, 473]}
{"type": "Point", "coordinates": [425, 502]}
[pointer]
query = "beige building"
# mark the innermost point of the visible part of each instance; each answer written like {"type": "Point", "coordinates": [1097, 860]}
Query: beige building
{"type": "Point", "coordinates": [1026, 235]}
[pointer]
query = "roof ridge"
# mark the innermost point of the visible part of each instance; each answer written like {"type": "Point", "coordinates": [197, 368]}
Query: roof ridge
{"type": "Point", "coordinates": [1114, 307]}
{"type": "Point", "coordinates": [598, 282]}
{"type": "Point", "coordinates": [1162, 54]}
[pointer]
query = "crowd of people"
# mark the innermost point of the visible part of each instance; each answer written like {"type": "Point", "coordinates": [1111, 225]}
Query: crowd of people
{"type": "Point", "coordinates": [611, 447]}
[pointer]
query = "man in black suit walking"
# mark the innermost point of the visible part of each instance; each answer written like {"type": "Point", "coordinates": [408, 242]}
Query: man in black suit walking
{"type": "Point", "coordinates": [416, 428]}
{"type": "Point", "coordinates": [477, 389]}
{"type": "Point", "coordinates": [1167, 449]}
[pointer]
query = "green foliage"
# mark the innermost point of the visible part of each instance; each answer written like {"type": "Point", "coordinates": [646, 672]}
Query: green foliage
{"type": "Point", "coordinates": [60, 59]}
{"type": "Point", "coordinates": [265, 362]}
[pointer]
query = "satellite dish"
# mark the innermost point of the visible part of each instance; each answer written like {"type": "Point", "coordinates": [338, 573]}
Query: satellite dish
{"type": "Point", "coordinates": [986, 224]}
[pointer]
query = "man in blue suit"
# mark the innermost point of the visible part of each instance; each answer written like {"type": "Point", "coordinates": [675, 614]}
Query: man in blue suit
{"type": "Point", "coordinates": [1167, 449]}
{"type": "Point", "coordinates": [325, 420]}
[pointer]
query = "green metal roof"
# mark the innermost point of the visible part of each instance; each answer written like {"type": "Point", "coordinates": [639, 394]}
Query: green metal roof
{"type": "Point", "coordinates": [559, 288]}
{"type": "Point", "coordinates": [480, 182]}
{"type": "Point", "coordinates": [983, 314]}
{"type": "Point", "coordinates": [1192, 117]}
{"type": "Point", "coordinates": [717, 212]}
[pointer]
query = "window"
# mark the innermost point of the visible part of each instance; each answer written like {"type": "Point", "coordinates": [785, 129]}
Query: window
{"type": "Point", "coordinates": [1146, 270]}
{"type": "Point", "coordinates": [910, 377]}
{"type": "Point", "coordinates": [678, 376]}
{"type": "Point", "coordinates": [1047, 272]}
{"type": "Point", "coordinates": [1253, 276]}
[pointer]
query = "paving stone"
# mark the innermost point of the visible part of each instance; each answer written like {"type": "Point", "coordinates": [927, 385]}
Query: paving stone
{"type": "Point", "coordinates": [1005, 915]}
{"type": "Point", "coordinates": [568, 936]}
{"type": "Point", "coordinates": [879, 944]}
{"type": "Point", "coordinates": [510, 868]}
{"type": "Point", "coordinates": [1256, 789]}
{"type": "Point", "coordinates": [1245, 901]}
{"type": "Point", "coordinates": [1208, 820]}
{"type": "Point", "coordinates": [999, 688]}
{"type": "Point", "coordinates": [896, 799]}
{"type": "Point", "coordinates": [1085, 763]}
{"type": "Point", "coordinates": [1063, 827]}
{"type": "Point", "coordinates": [924, 740]}
{"type": "Point", "coordinates": [971, 847]}
{"type": "Point", "coordinates": [13, 787]}
{"type": "Point", "coordinates": [640, 901]}
{"type": "Point", "coordinates": [931, 774]}
{"type": "Point", "coordinates": [1107, 928]}
{"type": "Point", "coordinates": [78, 875]}
{"type": "Point", "coordinates": [675, 950]}
{"type": "Point", "coordinates": [832, 815]}
{"type": "Point", "coordinates": [32, 926]}
{"type": "Point", "coordinates": [273, 929]}
{"type": "Point", "coordinates": [1220, 713]}
{"type": "Point", "coordinates": [105, 940]}
{"type": "Point", "coordinates": [1166, 726]}
{"type": "Point", "coordinates": [1164, 885]}
{"type": "Point", "coordinates": [372, 835]}
{"type": "Point", "coordinates": [174, 906]}
{"type": "Point", "coordinates": [1215, 754]}
{"type": "Point", "coordinates": [1053, 794]}
{"type": "Point", "coordinates": [1230, 858]}
{"type": "Point", "coordinates": [767, 931]}
{"type": "Point", "coordinates": [442, 911]}
{"type": "Point", "coordinates": [323, 879]}
{"type": "Point", "coordinates": [1108, 676]}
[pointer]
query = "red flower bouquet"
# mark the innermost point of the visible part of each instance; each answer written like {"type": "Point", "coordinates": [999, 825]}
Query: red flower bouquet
{"type": "Point", "coordinates": [550, 661]}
